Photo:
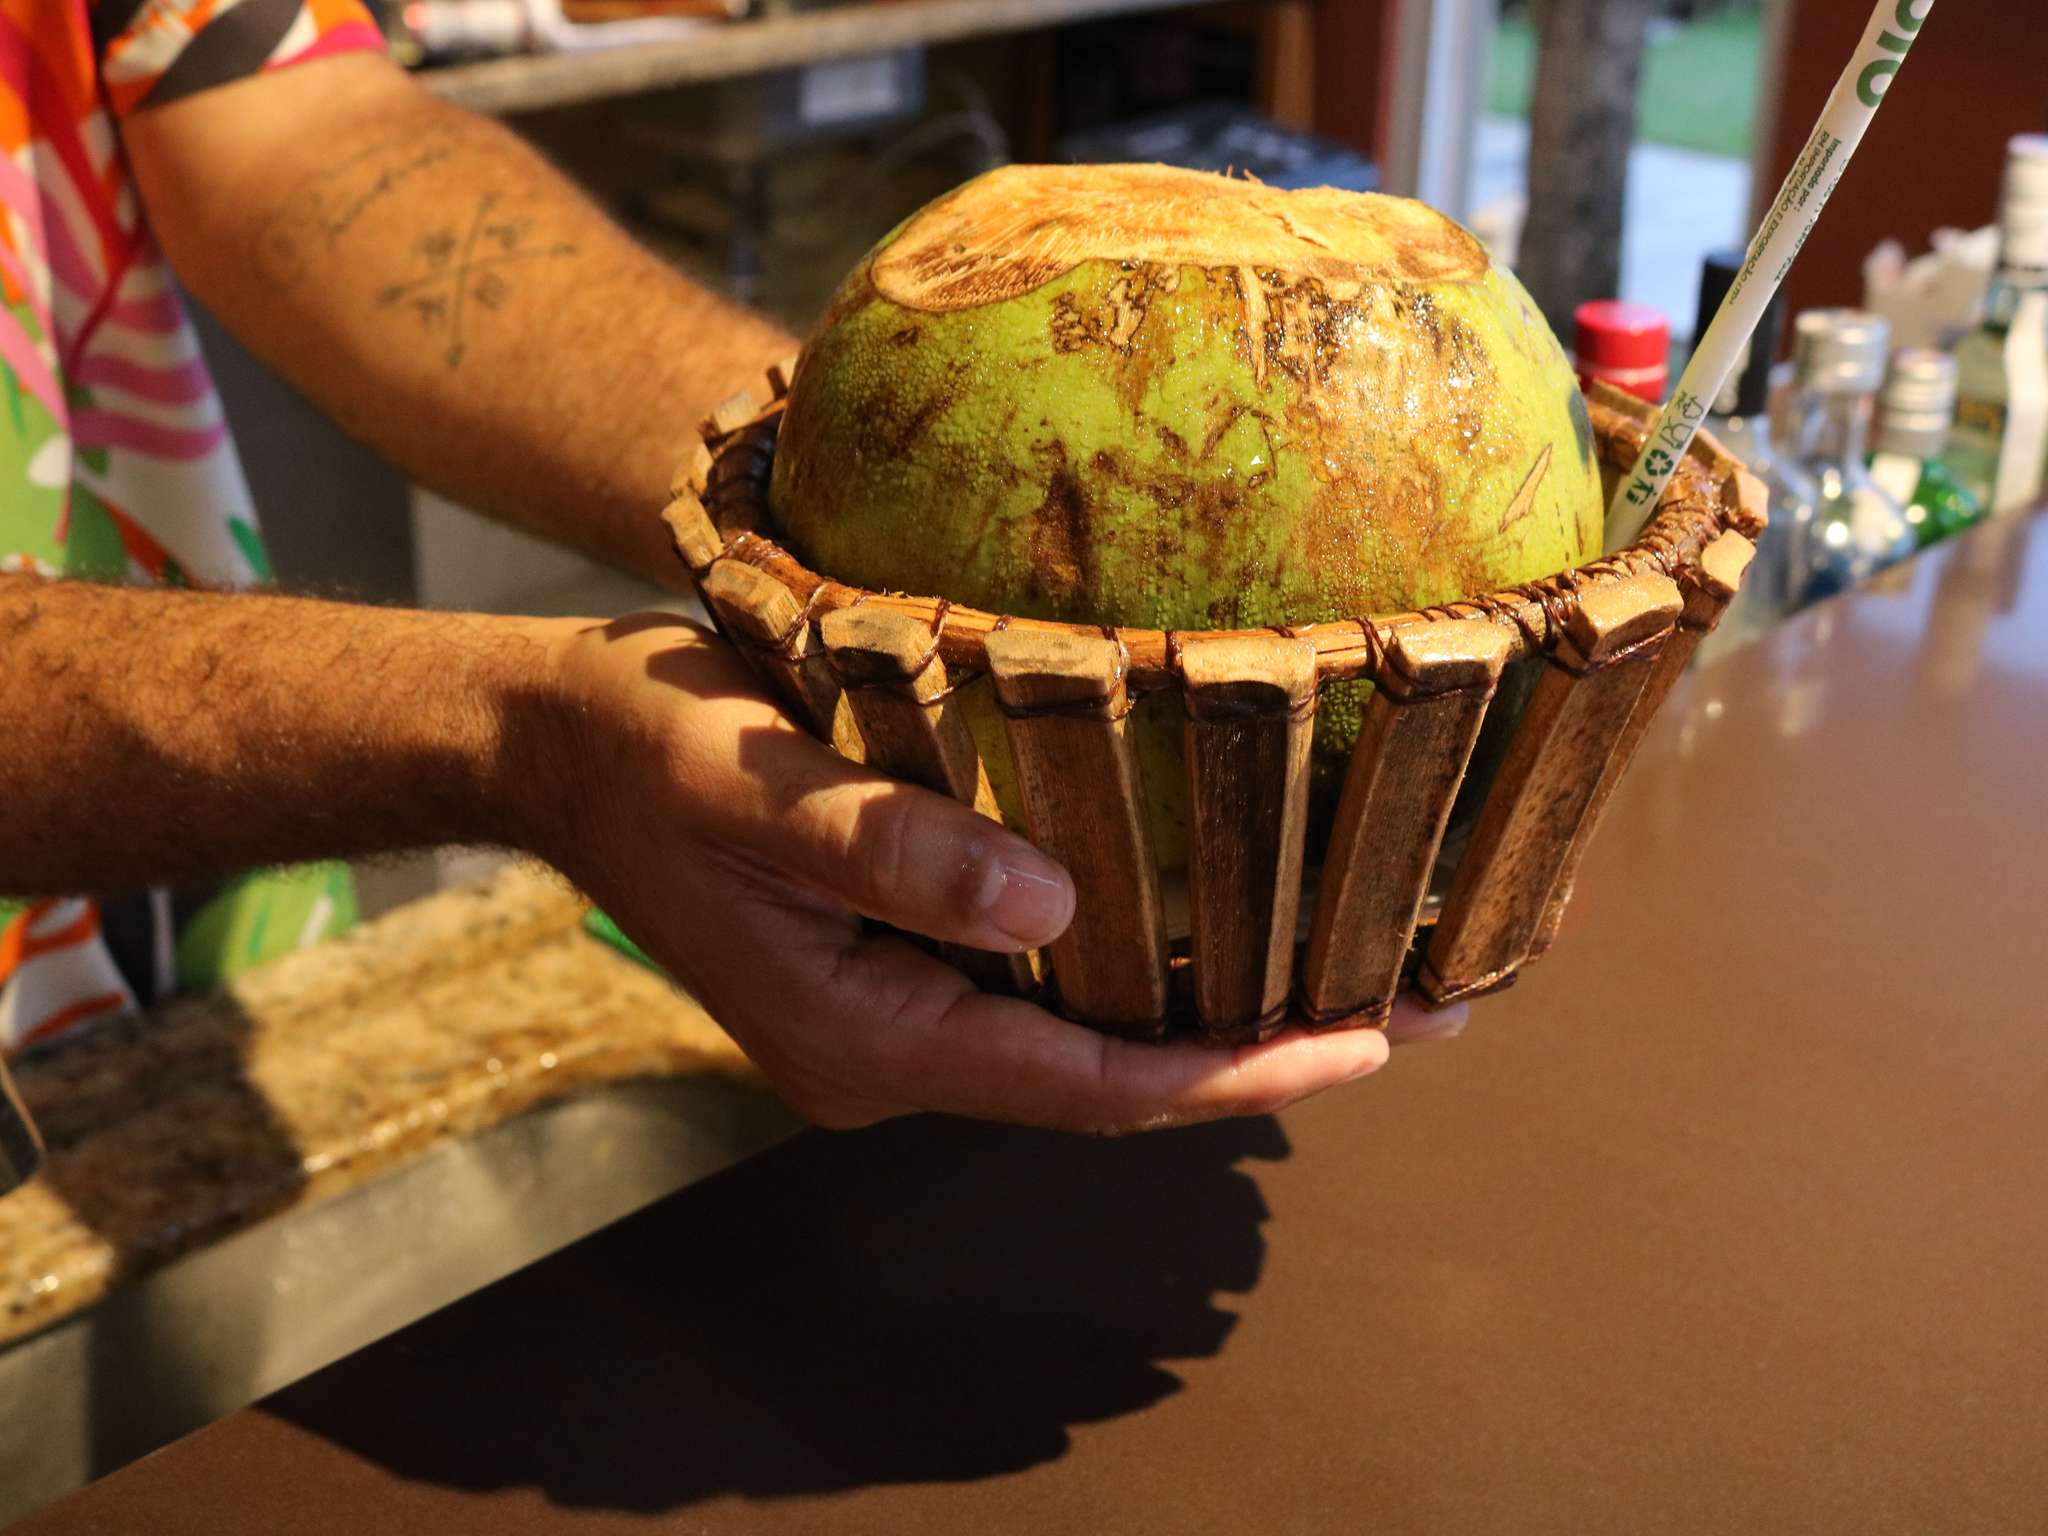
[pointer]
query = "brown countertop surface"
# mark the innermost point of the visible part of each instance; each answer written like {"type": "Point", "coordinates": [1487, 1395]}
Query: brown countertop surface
{"type": "Point", "coordinates": [1730, 1216]}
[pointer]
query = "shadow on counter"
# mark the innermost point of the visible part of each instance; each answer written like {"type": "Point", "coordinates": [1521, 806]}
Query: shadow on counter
{"type": "Point", "coordinates": [159, 1144]}
{"type": "Point", "coordinates": [927, 1301]}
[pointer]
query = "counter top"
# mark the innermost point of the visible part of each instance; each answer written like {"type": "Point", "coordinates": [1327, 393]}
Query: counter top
{"type": "Point", "coordinates": [1728, 1217]}
{"type": "Point", "coordinates": [320, 1070]}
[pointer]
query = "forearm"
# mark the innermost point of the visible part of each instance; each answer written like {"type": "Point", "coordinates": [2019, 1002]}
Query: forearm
{"type": "Point", "coordinates": [168, 735]}
{"type": "Point", "coordinates": [425, 278]}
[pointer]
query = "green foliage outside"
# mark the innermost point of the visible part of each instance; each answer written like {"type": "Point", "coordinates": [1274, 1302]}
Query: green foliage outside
{"type": "Point", "coordinates": [1699, 79]}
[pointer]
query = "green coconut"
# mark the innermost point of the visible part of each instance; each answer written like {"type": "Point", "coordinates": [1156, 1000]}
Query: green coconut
{"type": "Point", "coordinates": [1150, 397]}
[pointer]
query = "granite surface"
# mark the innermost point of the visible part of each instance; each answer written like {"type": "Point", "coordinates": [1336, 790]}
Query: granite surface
{"type": "Point", "coordinates": [319, 1071]}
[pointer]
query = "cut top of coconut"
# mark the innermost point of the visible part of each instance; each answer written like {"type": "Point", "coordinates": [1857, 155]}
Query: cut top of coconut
{"type": "Point", "coordinates": [1018, 228]}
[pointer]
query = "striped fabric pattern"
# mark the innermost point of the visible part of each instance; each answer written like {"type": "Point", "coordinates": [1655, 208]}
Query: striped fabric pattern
{"type": "Point", "coordinates": [155, 51]}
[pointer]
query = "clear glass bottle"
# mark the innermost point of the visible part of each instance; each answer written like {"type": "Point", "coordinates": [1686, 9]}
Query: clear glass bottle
{"type": "Point", "coordinates": [1857, 529]}
{"type": "Point", "coordinates": [1914, 415]}
{"type": "Point", "coordinates": [1998, 448]}
{"type": "Point", "coordinates": [1741, 419]}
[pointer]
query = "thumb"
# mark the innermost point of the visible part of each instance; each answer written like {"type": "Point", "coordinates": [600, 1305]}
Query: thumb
{"type": "Point", "coordinates": [909, 857]}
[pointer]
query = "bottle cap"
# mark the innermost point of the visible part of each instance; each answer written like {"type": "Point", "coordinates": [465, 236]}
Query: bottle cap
{"type": "Point", "coordinates": [1918, 403]}
{"type": "Point", "coordinates": [1619, 334]}
{"type": "Point", "coordinates": [1841, 351]}
{"type": "Point", "coordinates": [1748, 390]}
{"type": "Point", "coordinates": [1922, 382]}
{"type": "Point", "coordinates": [1628, 345]}
{"type": "Point", "coordinates": [2023, 206]}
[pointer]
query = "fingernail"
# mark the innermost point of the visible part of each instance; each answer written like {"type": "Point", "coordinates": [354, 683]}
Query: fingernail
{"type": "Point", "coordinates": [1414, 1027]}
{"type": "Point", "coordinates": [1028, 897]}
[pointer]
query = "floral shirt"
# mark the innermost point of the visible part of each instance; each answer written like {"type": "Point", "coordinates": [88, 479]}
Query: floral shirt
{"type": "Point", "coordinates": [115, 458]}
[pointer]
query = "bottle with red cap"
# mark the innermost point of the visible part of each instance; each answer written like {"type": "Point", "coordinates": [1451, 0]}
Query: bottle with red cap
{"type": "Point", "coordinates": [1627, 345]}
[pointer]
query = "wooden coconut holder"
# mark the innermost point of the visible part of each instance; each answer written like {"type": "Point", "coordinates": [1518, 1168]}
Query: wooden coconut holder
{"type": "Point", "coordinates": [875, 674]}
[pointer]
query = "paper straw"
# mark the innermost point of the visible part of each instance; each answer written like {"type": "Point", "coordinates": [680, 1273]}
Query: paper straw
{"type": "Point", "coordinates": [1857, 96]}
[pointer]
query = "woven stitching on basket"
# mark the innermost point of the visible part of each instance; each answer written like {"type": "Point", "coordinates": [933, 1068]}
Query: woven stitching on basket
{"type": "Point", "coordinates": [918, 668]}
{"type": "Point", "coordinates": [1612, 659]}
{"type": "Point", "coordinates": [783, 645]}
{"type": "Point", "coordinates": [1683, 525]}
{"type": "Point", "coordinates": [1099, 709]}
{"type": "Point", "coordinates": [1322, 1018]}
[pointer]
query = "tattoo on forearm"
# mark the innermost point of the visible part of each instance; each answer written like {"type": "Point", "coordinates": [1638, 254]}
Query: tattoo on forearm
{"type": "Point", "coordinates": [470, 268]}
{"type": "Point", "coordinates": [316, 216]}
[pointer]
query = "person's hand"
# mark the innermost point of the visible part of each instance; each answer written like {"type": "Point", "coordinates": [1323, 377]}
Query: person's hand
{"type": "Point", "coordinates": [742, 855]}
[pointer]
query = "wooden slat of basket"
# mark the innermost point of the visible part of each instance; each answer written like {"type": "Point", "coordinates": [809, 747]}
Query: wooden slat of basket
{"type": "Point", "coordinates": [773, 632]}
{"type": "Point", "coordinates": [1064, 699]}
{"type": "Point", "coordinates": [1574, 722]}
{"type": "Point", "coordinates": [1420, 726]}
{"type": "Point", "coordinates": [897, 687]}
{"type": "Point", "coordinates": [733, 490]}
{"type": "Point", "coordinates": [694, 535]}
{"type": "Point", "coordinates": [1745, 503]}
{"type": "Point", "coordinates": [1745, 500]}
{"type": "Point", "coordinates": [694, 473]}
{"type": "Point", "coordinates": [729, 417]}
{"type": "Point", "coordinates": [1708, 591]}
{"type": "Point", "coordinates": [1251, 714]}
{"type": "Point", "coordinates": [1631, 420]}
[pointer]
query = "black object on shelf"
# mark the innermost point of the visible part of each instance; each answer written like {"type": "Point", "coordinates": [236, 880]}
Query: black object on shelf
{"type": "Point", "coordinates": [1222, 136]}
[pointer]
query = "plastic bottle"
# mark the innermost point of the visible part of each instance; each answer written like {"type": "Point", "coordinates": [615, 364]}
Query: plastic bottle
{"type": "Point", "coordinates": [1913, 418]}
{"type": "Point", "coordinates": [1998, 447]}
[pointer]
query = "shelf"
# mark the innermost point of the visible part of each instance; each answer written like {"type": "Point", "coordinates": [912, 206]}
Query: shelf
{"type": "Point", "coordinates": [530, 82]}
